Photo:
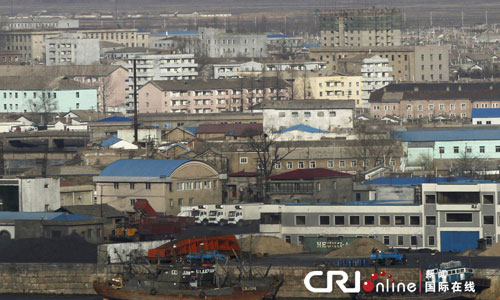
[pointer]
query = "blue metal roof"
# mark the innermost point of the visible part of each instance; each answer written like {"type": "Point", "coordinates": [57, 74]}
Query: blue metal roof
{"type": "Point", "coordinates": [420, 180]}
{"type": "Point", "coordinates": [142, 167]}
{"type": "Point", "coordinates": [111, 141]}
{"type": "Point", "coordinates": [116, 119]}
{"type": "Point", "coordinates": [447, 135]}
{"type": "Point", "coordinates": [486, 113]}
{"type": "Point", "coordinates": [273, 36]}
{"type": "Point", "coordinates": [181, 32]}
{"type": "Point", "coordinates": [55, 216]}
{"type": "Point", "coordinates": [304, 128]}
{"type": "Point", "coordinates": [191, 129]}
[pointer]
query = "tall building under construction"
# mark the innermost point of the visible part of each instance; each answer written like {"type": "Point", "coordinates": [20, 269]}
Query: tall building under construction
{"type": "Point", "coordinates": [360, 27]}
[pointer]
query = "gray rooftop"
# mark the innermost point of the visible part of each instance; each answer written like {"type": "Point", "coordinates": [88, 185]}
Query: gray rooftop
{"type": "Point", "coordinates": [309, 104]}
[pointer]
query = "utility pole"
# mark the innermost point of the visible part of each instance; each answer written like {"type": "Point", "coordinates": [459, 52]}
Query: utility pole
{"type": "Point", "coordinates": [136, 138]}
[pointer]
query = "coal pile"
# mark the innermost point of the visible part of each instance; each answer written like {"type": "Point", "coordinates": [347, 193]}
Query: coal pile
{"type": "Point", "coordinates": [43, 250]}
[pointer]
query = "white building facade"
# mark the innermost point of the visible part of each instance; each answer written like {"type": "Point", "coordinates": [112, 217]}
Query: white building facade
{"type": "Point", "coordinates": [376, 74]}
{"type": "Point", "coordinates": [71, 49]}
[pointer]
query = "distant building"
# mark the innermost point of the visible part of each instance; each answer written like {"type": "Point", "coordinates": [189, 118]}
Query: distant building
{"type": "Point", "coordinates": [40, 23]}
{"type": "Point", "coordinates": [427, 63]}
{"type": "Point", "coordinates": [45, 94]}
{"type": "Point", "coordinates": [325, 115]}
{"type": "Point", "coordinates": [375, 72]}
{"type": "Point", "coordinates": [329, 86]}
{"type": "Point", "coordinates": [172, 120]}
{"type": "Point", "coordinates": [433, 100]}
{"type": "Point", "coordinates": [209, 96]}
{"type": "Point", "coordinates": [130, 37]}
{"type": "Point", "coordinates": [10, 57]}
{"type": "Point", "coordinates": [166, 184]}
{"type": "Point", "coordinates": [485, 116]}
{"type": "Point", "coordinates": [259, 69]}
{"type": "Point", "coordinates": [360, 27]}
{"type": "Point", "coordinates": [109, 80]}
{"type": "Point", "coordinates": [71, 49]}
{"type": "Point", "coordinates": [159, 67]}
{"type": "Point", "coordinates": [213, 42]}
{"type": "Point", "coordinates": [29, 194]}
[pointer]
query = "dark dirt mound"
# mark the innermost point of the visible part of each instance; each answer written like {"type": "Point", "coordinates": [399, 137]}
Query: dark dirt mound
{"type": "Point", "coordinates": [43, 250]}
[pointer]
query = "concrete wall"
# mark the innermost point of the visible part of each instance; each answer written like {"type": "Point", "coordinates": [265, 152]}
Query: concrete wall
{"type": "Point", "coordinates": [39, 194]}
{"type": "Point", "coordinates": [277, 119]}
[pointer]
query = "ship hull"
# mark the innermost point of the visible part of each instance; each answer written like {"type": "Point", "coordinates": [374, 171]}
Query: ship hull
{"type": "Point", "coordinates": [108, 292]}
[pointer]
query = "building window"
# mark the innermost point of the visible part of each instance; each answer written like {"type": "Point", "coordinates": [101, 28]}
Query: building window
{"type": "Point", "coordinates": [301, 165]}
{"type": "Point", "coordinates": [431, 106]}
{"type": "Point", "coordinates": [243, 160]}
{"type": "Point", "coordinates": [324, 220]}
{"type": "Point", "coordinates": [399, 220]}
{"type": "Point", "coordinates": [312, 165]}
{"type": "Point", "coordinates": [288, 239]}
{"type": "Point", "coordinates": [300, 220]}
{"type": "Point", "coordinates": [497, 148]}
{"type": "Point", "coordinates": [413, 240]}
{"type": "Point", "coordinates": [468, 149]}
{"type": "Point", "coordinates": [481, 149]}
{"type": "Point", "coordinates": [148, 186]}
{"type": "Point", "coordinates": [354, 163]}
{"type": "Point", "coordinates": [132, 186]}
{"type": "Point", "coordinates": [400, 240]}
{"type": "Point", "coordinates": [116, 185]}
{"type": "Point", "coordinates": [77, 94]}
{"type": "Point", "coordinates": [171, 203]}
{"type": "Point", "coordinates": [488, 199]}
{"type": "Point", "coordinates": [342, 164]}
{"type": "Point", "coordinates": [300, 239]}
{"type": "Point", "coordinates": [385, 220]}
{"type": "Point", "coordinates": [339, 220]}
{"type": "Point", "coordinates": [386, 240]}
{"type": "Point", "coordinates": [430, 220]}
{"type": "Point", "coordinates": [459, 217]}
{"type": "Point", "coordinates": [329, 164]}
{"type": "Point", "coordinates": [333, 113]}
{"type": "Point", "coordinates": [318, 186]}
{"type": "Point", "coordinates": [441, 150]}
{"type": "Point", "coordinates": [289, 165]}
{"type": "Point", "coordinates": [415, 220]}
{"type": "Point", "coordinates": [488, 220]}
{"type": "Point", "coordinates": [207, 185]}
{"type": "Point", "coordinates": [295, 114]}
{"type": "Point", "coordinates": [354, 220]}
{"type": "Point", "coordinates": [180, 186]}
{"type": "Point", "coordinates": [277, 165]}
{"type": "Point", "coordinates": [369, 220]}
{"type": "Point", "coordinates": [463, 106]}
{"type": "Point", "coordinates": [432, 241]}
{"type": "Point", "coordinates": [456, 149]}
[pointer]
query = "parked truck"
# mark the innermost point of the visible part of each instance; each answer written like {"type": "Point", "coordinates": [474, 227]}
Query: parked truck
{"type": "Point", "coordinates": [244, 214]}
{"type": "Point", "coordinates": [387, 257]}
{"type": "Point", "coordinates": [201, 214]}
{"type": "Point", "coordinates": [219, 215]}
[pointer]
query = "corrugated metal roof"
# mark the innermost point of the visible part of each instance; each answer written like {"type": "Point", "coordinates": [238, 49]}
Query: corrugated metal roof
{"type": "Point", "coordinates": [448, 135]}
{"type": "Point", "coordinates": [252, 129]}
{"type": "Point", "coordinates": [111, 141]}
{"type": "Point", "coordinates": [304, 128]}
{"type": "Point", "coordinates": [419, 180]}
{"type": "Point", "coordinates": [191, 129]}
{"type": "Point", "coordinates": [56, 216]}
{"type": "Point", "coordinates": [142, 167]}
{"type": "Point", "coordinates": [485, 112]}
{"type": "Point", "coordinates": [308, 174]}
{"type": "Point", "coordinates": [181, 32]}
{"type": "Point", "coordinates": [115, 119]}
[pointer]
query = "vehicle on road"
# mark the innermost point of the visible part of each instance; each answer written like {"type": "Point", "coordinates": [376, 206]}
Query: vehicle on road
{"type": "Point", "coordinates": [388, 257]}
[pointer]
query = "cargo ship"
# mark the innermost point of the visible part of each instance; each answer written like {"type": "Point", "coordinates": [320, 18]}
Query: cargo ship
{"type": "Point", "coordinates": [188, 282]}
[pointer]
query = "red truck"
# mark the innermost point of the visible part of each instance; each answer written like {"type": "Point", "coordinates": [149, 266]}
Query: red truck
{"type": "Point", "coordinates": [146, 225]}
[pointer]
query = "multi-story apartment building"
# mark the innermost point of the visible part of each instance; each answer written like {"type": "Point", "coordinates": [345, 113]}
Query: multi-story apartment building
{"type": "Point", "coordinates": [430, 100]}
{"type": "Point", "coordinates": [213, 42]}
{"type": "Point", "coordinates": [45, 94]}
{"type": "Point", "coordinates": [159, 67]}
{"type": "Point", "coordinates": [407, 63]}
{"type": "Point", "coordinates": [449, 217]}
{"type": "Point", "coordinates": [209, 96]}
{"type": "Point", "coordinates": [360, 27]}
{"type": "Point", "coordinates": [256, 68]}
{"type": "Point", "coordinates": [10, 57]}
{"type": "Point", "coordinates": [40, 23]}
{"type": "Point", "coordinates": [329, 86]}
{"type": "Point", "coordinates": [375, 75]}
{"type": "Point", "coordinates": [109, 80]}
{"type": "Point", "coordinates": [29, 44]}
{"type": "Point", "coordinates": [71, 49]}
{"type": "Point", "coordinates": [129, 37]}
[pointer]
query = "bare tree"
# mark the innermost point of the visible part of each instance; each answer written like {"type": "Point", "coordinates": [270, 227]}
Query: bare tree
{"type": "Point", "coordinates": [374, 145]}
{"type": "Point", "coordinates": [467, 165]}
{"type": "Point", "coordinates": [44, 105]}
{"type": "Point", "coordinates": [269, 153]}
{"type": "Point", "coordinates": [425, 162]}
{"type": "Point", "coordinates": [106, 91]}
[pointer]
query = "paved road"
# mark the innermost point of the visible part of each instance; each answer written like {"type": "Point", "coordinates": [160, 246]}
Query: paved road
{"type": "Point", "coordinates": [415, 260]}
